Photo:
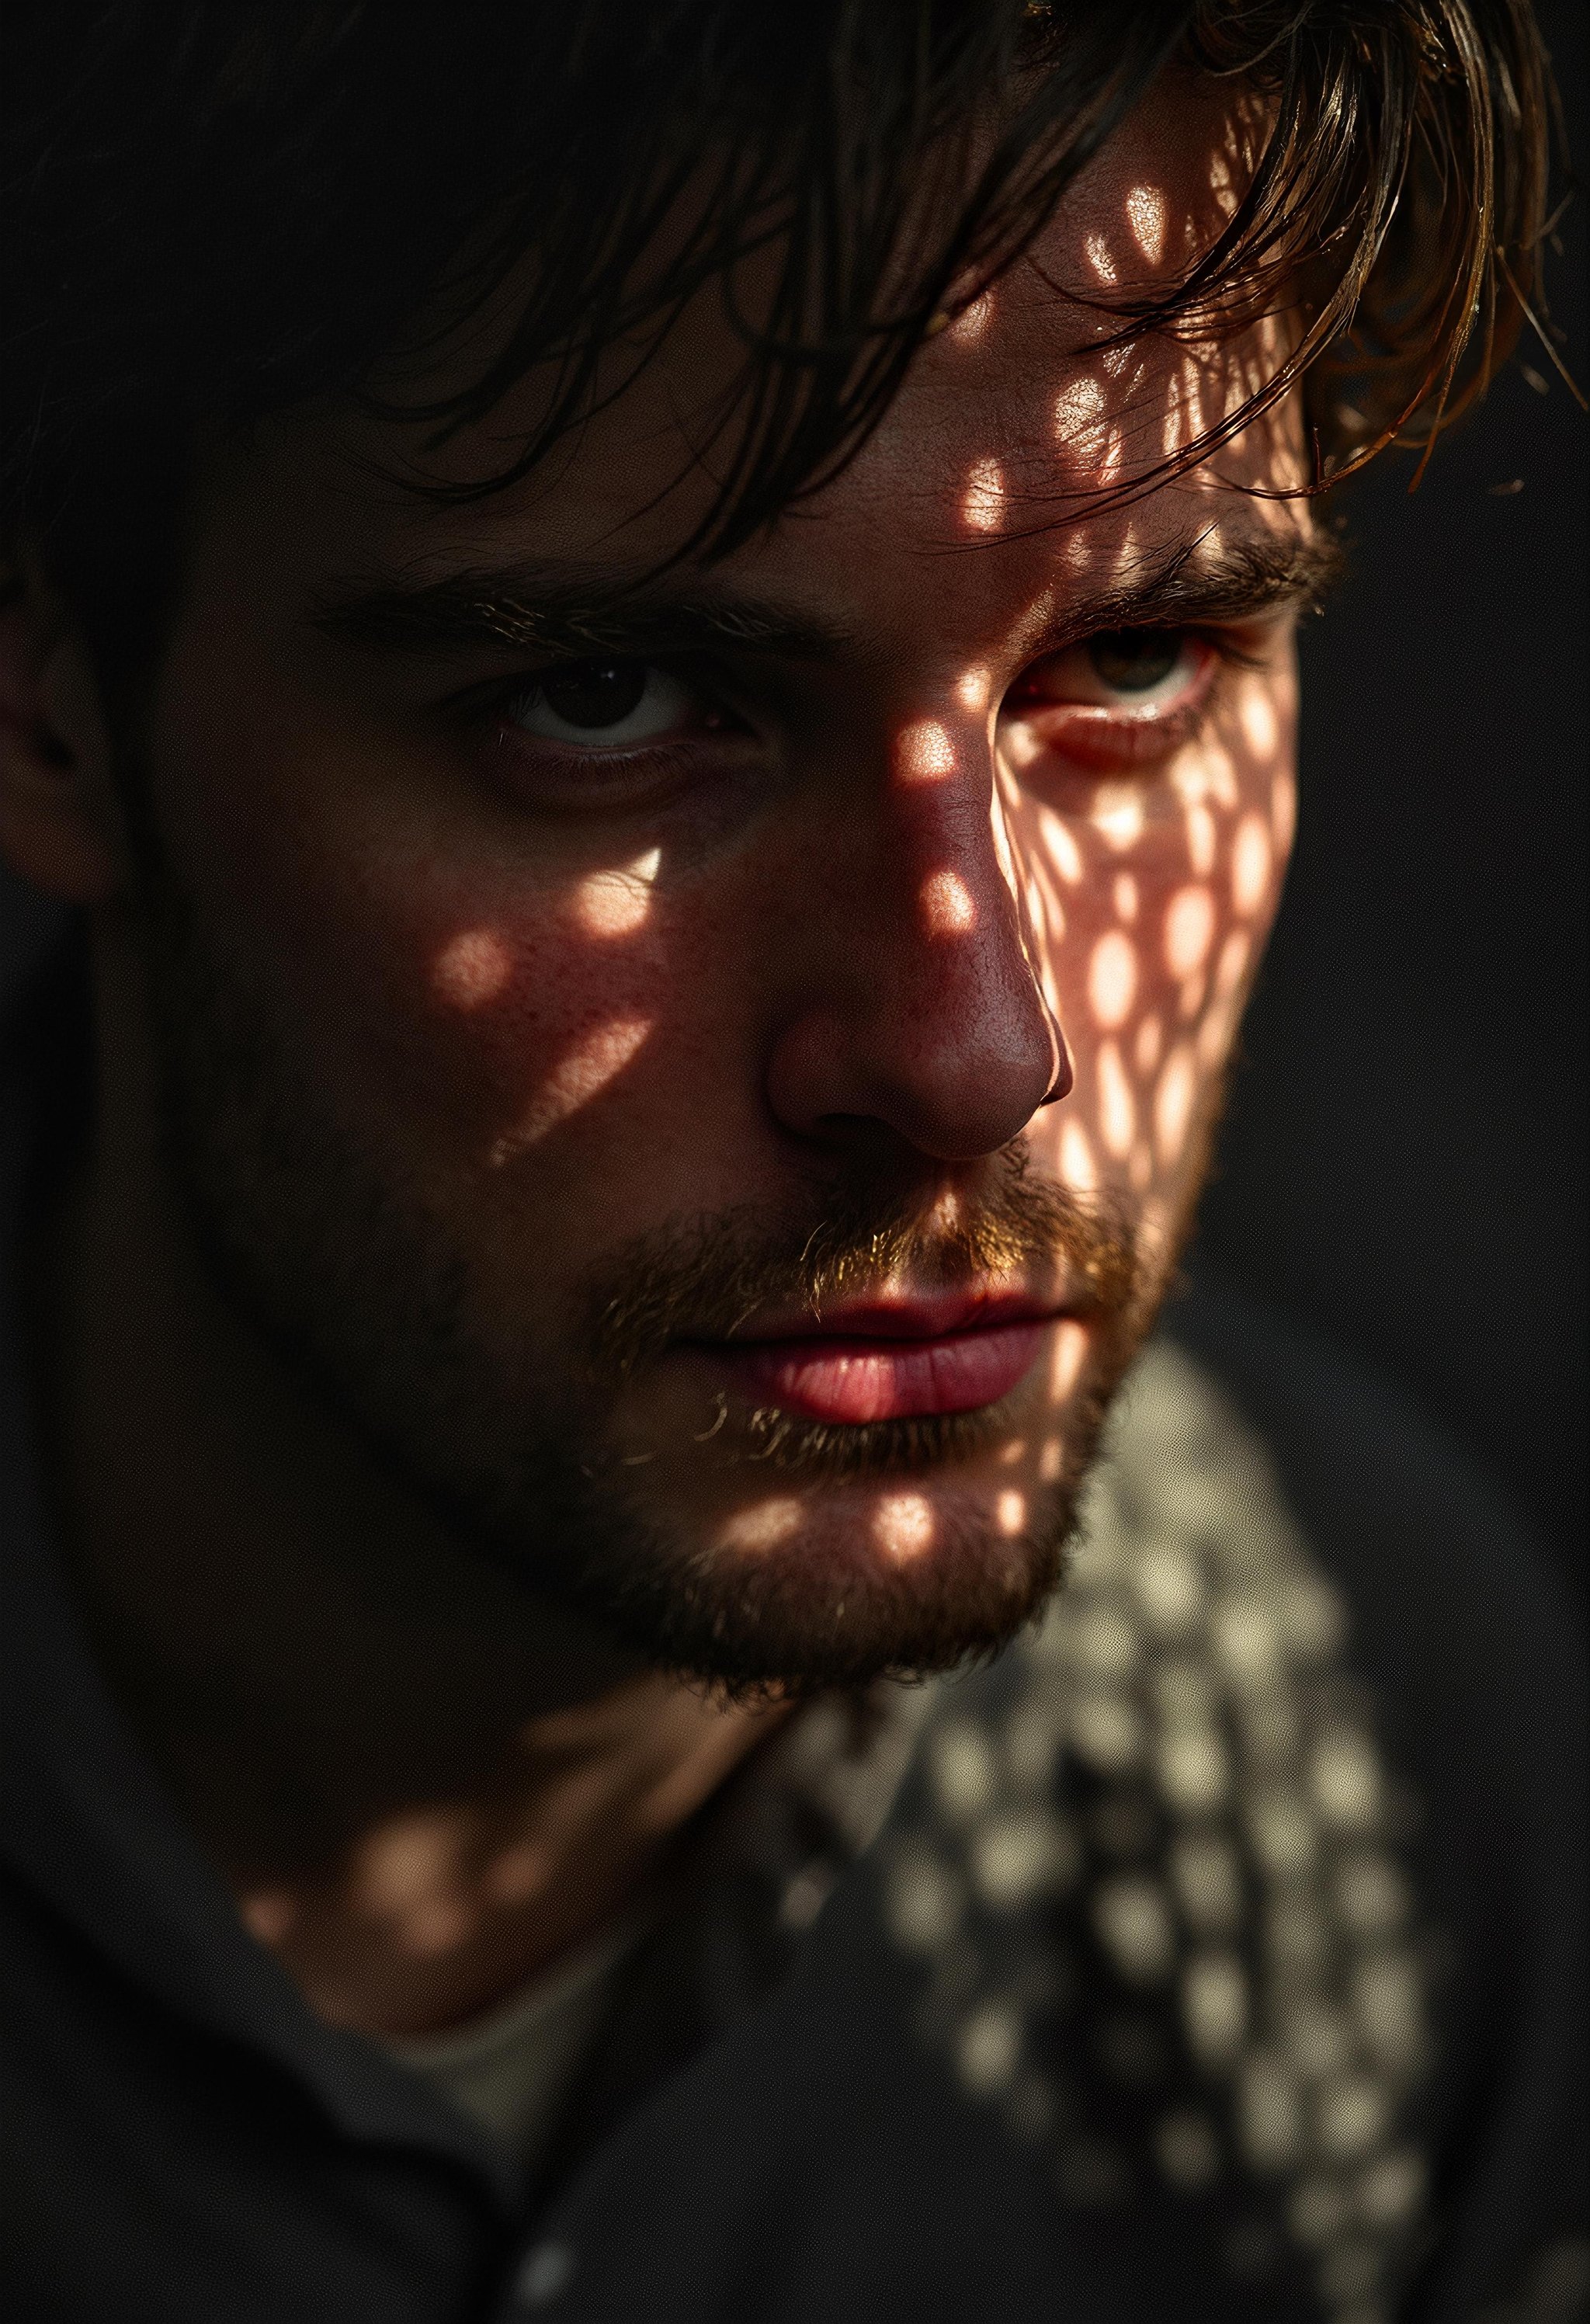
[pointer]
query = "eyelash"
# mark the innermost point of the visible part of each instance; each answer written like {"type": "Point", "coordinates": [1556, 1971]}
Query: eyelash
{"type": "Point", "coordinates": [1147, 738]}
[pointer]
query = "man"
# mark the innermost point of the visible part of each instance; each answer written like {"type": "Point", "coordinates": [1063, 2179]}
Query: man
{"type": "Point", "coordinates": [658, 648]}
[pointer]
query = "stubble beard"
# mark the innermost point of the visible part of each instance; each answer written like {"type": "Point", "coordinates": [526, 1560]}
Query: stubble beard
{"type": "Point", "coordinates": [366, 1294]}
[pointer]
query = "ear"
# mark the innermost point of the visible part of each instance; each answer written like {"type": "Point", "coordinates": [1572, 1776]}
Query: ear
{"type": "Point", "coordinates": [59, 827]}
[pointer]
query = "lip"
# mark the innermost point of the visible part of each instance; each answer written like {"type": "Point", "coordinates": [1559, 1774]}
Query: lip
{"type": "Point", "coordinates": [892, 1360]}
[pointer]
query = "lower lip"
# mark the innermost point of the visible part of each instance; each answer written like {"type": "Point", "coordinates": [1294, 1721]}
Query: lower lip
{"type": "Point", "coordinates": [854, 1381]}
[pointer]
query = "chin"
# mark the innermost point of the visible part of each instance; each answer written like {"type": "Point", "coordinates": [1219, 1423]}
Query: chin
{"type": "Point", "coordinates": [805, 1590]}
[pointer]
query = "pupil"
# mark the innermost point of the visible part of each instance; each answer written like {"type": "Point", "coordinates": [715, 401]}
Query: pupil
{"type": "Point", "coordinates": [596, 693]}
{"type": "Point", "coordinates": [1133, 660]}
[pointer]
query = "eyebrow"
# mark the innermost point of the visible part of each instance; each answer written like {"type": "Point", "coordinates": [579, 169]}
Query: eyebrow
{"type": "Point", "coordinates": [570, 612]}
{"type": "Point", "coordinates": [559, 613]}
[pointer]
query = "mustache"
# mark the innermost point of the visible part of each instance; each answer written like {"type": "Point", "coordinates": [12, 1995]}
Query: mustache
{"type": "Point", "coordinates": [705, 1277]}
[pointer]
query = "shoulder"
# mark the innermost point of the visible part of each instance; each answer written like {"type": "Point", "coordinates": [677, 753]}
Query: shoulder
{"type": "Point", "coordinates": [1268, 1841]}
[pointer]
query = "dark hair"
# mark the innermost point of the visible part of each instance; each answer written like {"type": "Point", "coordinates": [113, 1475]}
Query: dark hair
{"type": "Point", "coordinates": [212, 212]}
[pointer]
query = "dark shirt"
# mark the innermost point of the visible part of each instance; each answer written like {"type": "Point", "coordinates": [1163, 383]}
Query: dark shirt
{"type": "Point", "coordinates": [1214, 1953]}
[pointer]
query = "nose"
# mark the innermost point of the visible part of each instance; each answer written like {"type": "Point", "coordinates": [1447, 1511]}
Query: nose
{"type": "Point", "coordinates": [918, 1007]}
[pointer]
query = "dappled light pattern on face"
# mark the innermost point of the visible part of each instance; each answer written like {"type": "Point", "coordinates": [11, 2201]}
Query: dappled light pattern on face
{"type": "Point", "coordinates": [983, 501]}
{"type": "Point", "coordinates": [1148, 898]}
{"type": "Point", "coordinates": [829, 927]}
{"type": "Point", "coordinates": [616, 903]}
{"type": "Point", "coordinates": [1161, 1921]}
{"type": "Point", "coordinates": [470, 969]}
{"type": "Point", "coordinates": [924, 753]}
{"type": "Point", "coordinates": [947, 908]}
{"type": "Point", "coordinates": [904, 1526]}
{"type": "Point", "coordinates": [583, 1072]}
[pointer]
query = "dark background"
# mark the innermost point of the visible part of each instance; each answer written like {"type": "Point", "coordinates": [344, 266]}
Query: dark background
{"type": "Point", "coordinates": [1404, 1166]}
{"type": "Point", "coordinates": [1404, 1162]}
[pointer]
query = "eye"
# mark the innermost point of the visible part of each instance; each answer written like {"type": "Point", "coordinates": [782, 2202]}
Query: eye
{"type": "Point", "coordinates": [1133, 670]}
{"type": "Point", "coordinates": [1137, 662]}
{"type": "Point", "coordinates": [1120, 699]}
{"type": "Point", "coordinates": [605, 706]}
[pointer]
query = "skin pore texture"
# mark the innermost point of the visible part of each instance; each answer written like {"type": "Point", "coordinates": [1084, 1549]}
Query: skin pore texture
{"type": "Point", "coordinates": [657, 1170]}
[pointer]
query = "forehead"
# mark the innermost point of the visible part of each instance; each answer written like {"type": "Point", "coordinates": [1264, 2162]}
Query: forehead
{"type": "Point", "coordinates": [1023, 416]}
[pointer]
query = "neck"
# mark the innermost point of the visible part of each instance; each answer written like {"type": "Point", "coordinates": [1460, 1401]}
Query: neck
{"type": "Point", "coordinates": [422, 1785]}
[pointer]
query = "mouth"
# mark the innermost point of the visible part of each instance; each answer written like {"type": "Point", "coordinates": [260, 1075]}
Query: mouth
{"type": "Point", "coordinates": [890, 1360]}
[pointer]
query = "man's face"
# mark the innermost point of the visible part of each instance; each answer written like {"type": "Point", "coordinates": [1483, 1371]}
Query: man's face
{"type": "Point", "coordinates": [721, 1111]}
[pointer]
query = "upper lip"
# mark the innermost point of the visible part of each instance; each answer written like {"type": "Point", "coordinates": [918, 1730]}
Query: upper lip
{"type": "Point", "coordinates": [933, 1317]}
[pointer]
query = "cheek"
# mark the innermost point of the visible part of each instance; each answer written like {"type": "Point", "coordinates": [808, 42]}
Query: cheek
{"type": "Point", "coordinates": [1149, 910]}
{"type": "Point", "coordinates": [462, 1002]}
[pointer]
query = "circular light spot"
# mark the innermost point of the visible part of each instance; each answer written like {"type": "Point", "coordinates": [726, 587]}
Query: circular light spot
{"type": "Point", "coordinates": [902, 1526]}
{"type": "Point", "coordinates": [1345, 1777]}
{"type": "Point", "coordinates": [1061, 847]}
{"type": "Point", "coordinates": [1281, 1831]}
{"type": "Point", "coordinates": [1201, 839]}
{"type": "Point", "coordinates": [1117, 815]}
{"type": "Point", "coordinates": [616, 903]}
{"type": "Point", "coordinates": [1261, 728]}
{"type": "Point", "coordinates": [1189, 930]}
{"type": "Point", "coordinates": [1250, 864]}
{"type": "Point", "coordinates": [964, 1774]}
{"type": "Point", "coordinates": [470, 969]}
{"type": "Point", "coordinates": [1135, 1926]}
{"type": "Point", "coordinates": [924, 753]}
{"type": "Point", "coordinates": [1172, 1105]}
{"type": "Point", "coordinates": [1170, 1588]}
{"type": "Point", "coordinates": [989, 2048]}
{"type": "Point", "coordinates": [1149, 1043]}
{"type": "Point", "coordinates": [1247, 1639]}
{"type": "Point", "coordinates": [1077, 1165]}
{"type": "Point", "coordinates": [268, 1915]}
{"type": "Point", "coordinates": [1010, 1512]}
{"type": "Point", "coordinates": [1103, 1640]}
{"type": "Point", "coordinates": [1191, 1764]}
{"type": "Point", "coordinates": [1269, 2119]}
{"type": "Point", "coordinates": [923, 1900]}
{"type": "Point", "coordinates": [1099, 258]}
{"type": "Point", "coordinates": [1117, 1109]}
{"type": "Point", "coordinates": [1019, 1855]}
{"type": "Point", "coordinates": [1316, 2037]}
{"type": "Point", "coordinates": [1112, 978]}
{"type": "Point", "coordinates": [1215, 2005]}
{"type": "Point", "coordinates": [1387, 2004]}
{"type": "Point", "coordinates": [982, 504]}
{"type": "Point", "coordinates": [1391, 2188]}
{"type": "Point", "coordinates": [947, 910]}
{"type": "Point", "coordinates": [765, 1526]}
{"type": "Point", "coordinates": [1145, 215]}
{"type": "Point", "coordinates": [1105, 1730]}
{"type": "Point", "coordinates": [1126, 896]}
{"type": "Point", "coordinates": [544, 2275]}
{"type": "Point", "coordinates": [1078, 411]}
{"type": "Point", "coordinates": [1352, 2115]}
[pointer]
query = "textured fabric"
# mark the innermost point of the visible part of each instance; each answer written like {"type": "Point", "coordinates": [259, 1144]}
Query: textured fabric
{"type": "Point", "coordinates": [510, 2069]}
{"type": "Point", "coordinates": [1214, 1953]}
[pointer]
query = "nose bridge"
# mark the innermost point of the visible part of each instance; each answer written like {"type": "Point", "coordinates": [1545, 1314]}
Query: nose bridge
{"type": "Point", "coordinates": [949, 858]}
{"type": "Point", "coordinates": [939, 1026]}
